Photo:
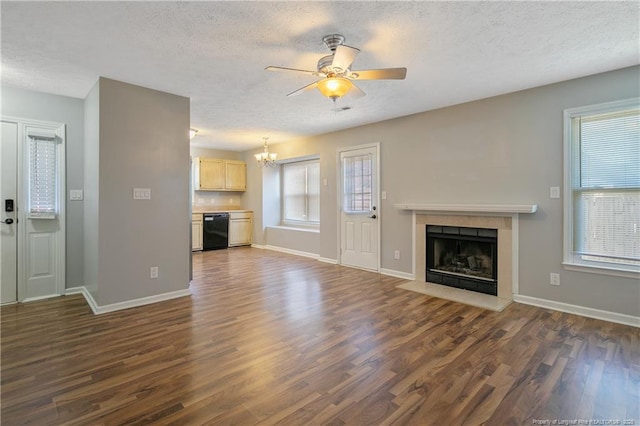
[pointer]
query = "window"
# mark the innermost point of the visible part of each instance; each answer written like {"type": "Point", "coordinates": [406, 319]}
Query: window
{"type": "Point", "coordinates": [301, 192]}
{"type": "Point", "coordinates": [357, 172]}
{"type": "Point", "coordinates": [43, 195]}
{"type": "Point", "coordinates": [602, 186]}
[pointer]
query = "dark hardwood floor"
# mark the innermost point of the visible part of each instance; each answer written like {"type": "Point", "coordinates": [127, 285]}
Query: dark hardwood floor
{"type": "Point", "coordinates": [278, 339]}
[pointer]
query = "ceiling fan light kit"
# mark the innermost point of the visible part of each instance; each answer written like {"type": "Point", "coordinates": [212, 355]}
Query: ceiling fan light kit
{"type": "Point", "coordinates": [336, 71]}
{"type": "Point", "coordinates": [334, 87]}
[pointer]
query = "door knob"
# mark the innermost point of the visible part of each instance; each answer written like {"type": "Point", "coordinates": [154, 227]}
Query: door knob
{"type": "Point", "coordinates": [7, 221]}
{"type": "Point", "coordinates": [373, 216]}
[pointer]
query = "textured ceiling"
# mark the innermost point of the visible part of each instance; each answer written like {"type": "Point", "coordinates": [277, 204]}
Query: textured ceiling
{"type": "Point", "coordinates": [215, 54]}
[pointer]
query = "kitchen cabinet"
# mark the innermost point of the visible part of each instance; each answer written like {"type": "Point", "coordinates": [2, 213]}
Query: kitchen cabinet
{"type": "Point", "coordinates": [196, 232]}
{"type": "Point", "coordinates": [214, 174]}
{"type": "Point", "coordinates": [240, 228]}
{"type": "Point", "coordinates": [236, 175]}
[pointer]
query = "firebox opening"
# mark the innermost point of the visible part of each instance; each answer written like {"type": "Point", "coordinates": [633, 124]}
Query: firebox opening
{"type": "Point", "coordinates": [462, 257]}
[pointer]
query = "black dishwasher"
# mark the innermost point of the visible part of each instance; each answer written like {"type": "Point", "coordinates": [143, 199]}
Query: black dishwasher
{"type": "Point", "coordinates": [215, 232]}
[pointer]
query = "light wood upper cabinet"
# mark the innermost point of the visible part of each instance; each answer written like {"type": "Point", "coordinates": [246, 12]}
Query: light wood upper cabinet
{"type": "Point", "coordinates": [236, 177]}
{"type": "Point", "coordinates": [210, 173]}
{"type": "Point", "coordinates": [214, 174]}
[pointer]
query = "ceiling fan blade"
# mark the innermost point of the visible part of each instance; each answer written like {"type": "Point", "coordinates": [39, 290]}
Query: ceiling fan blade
{"type": "Point", "coordinates": [304, 89]}
{"type": "Point", "coordinates": [356, 92]}
{"type": "Point", "coordinates": [273, 68]}
{"type": "Point", "coordinates": [383, 74]}
{"type": "Point", "coordinates": [344, 56]}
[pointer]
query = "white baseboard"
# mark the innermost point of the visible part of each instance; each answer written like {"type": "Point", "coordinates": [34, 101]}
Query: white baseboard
{"type": "Point", "coordinates": [291, 251]}
{"type": "Point", "coordinates": [579, 310]}
{"type": "Point", "coordinates": [35, 299]}
{"type": "Point", "coordinates": [259, 246]}
{"type": "Point", "coordinates": [327, 260]}
{"type": "Point", "coordinates": [97, 310]}
{"type": "Point", "coordinates": [397, 274]}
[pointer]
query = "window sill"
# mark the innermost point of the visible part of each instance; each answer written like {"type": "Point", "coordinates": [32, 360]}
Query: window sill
{"type": "Point", "coordinates": [624, 273]}
{"type": "Point", "coordinates": [295, 228]}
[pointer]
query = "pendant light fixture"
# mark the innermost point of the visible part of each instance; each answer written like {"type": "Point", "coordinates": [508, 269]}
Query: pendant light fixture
{"type": "Point", "coordinates": [266, 158]}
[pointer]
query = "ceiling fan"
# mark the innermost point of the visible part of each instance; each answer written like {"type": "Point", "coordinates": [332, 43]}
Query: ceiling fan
{"type": "Point", "coordinates": [335, 70]}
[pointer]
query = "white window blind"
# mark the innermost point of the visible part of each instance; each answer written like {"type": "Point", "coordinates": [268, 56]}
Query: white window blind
{"type": "Point", "coordinates": [43, 194]}
{"type": "Point", "coordinates": [606, 187]}
{"type": "Point", "coordinates": [357, 171]}
{"type": "Point", "coordinates": [301, 192]}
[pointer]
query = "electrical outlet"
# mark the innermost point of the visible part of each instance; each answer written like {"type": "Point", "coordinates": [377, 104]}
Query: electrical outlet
{"type": "Point", "coordinates": [396, 254]}
{"type": "Point", "coordinates": [554, 192]}
{"type": "Point", "coordinates": [554, 279]}
{"type": "Point", "coordinates": [153, 272]}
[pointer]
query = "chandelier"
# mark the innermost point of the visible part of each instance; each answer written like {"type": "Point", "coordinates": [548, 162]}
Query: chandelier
{"type": "Point", "coordinates": [266, 158]}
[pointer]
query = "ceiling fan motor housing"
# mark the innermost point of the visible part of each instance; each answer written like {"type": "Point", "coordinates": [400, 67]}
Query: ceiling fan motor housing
{"type": "Point", "coordinates": [332, 41]}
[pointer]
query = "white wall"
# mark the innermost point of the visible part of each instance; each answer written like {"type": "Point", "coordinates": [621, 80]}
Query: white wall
{"type": "Point", "coordinates": [506, 149]}
{"type": "Point", "coordinates": [26, 104]}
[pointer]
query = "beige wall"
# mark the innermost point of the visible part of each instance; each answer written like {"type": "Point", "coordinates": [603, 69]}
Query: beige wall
{"type": "Point", "coordinates": [506, 149]}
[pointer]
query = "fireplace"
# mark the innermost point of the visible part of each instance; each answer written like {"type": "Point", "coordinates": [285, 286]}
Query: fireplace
{"type": "Point", "coordinates": [462, 257]}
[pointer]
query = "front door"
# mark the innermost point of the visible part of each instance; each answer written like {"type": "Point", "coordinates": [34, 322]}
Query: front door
{"type": "Point", "coordinates": [359, 229]}
{"type": "Point", "coordinates": [32, 236]}
{"type": "Point", "coordinates": [8, 206]}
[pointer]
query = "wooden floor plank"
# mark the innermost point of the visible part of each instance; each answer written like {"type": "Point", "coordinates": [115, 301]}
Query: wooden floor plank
{"type": "Point", "coordinates": [272, 338]}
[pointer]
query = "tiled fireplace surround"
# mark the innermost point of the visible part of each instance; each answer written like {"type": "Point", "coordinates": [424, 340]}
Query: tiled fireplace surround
{"type": "Point", "coordinates": [503, 217]}
{"type": "Point", "coordinates": [505, 244]}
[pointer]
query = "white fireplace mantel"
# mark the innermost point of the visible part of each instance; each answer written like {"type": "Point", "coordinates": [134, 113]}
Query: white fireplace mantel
{"type": "Point", "coordinates": [507, 209]}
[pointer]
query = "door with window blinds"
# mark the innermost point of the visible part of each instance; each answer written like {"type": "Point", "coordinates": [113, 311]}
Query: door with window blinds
{"type": "Point", "coordinates": [43, 200]}
{"type": "Point", "coordinates": [359, 243]}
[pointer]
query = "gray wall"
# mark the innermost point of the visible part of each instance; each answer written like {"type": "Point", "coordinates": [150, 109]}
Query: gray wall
{"type": "Point", "coordinates": [92, 189]}
{"type": "Point", "coordinates": [26, 104]}
{"type": "Point", "coordinates": [506, 149]}
{"type": "Point", "coordinates": [143, 144]}
{"type": "Point", "coordinates": [215, 153]}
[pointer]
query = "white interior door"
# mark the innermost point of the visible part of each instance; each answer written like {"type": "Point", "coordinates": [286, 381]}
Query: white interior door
{"type": "Point", "coordinates": [359, 225]}
{"type": "Point", "coordinates": [42, 220]}
{"type": "Point", "coordinates": [9, 226]}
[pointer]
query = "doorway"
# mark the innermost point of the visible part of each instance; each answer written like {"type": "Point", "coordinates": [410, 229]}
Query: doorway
{"type": "Point", "coordinates": [359, 214]}
{"type": "Point", "coordinates": [32, 232]}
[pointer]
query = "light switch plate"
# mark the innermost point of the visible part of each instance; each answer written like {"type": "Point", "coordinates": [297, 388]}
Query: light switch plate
{"type": "Point", "coordinates": [76, 194]}
{"type": "Point", "coordinates": [384, 195]}
{"type": "Point", "coordinates": [141, 193]}
{"type": "Point", "coordinates": [554, 192]}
